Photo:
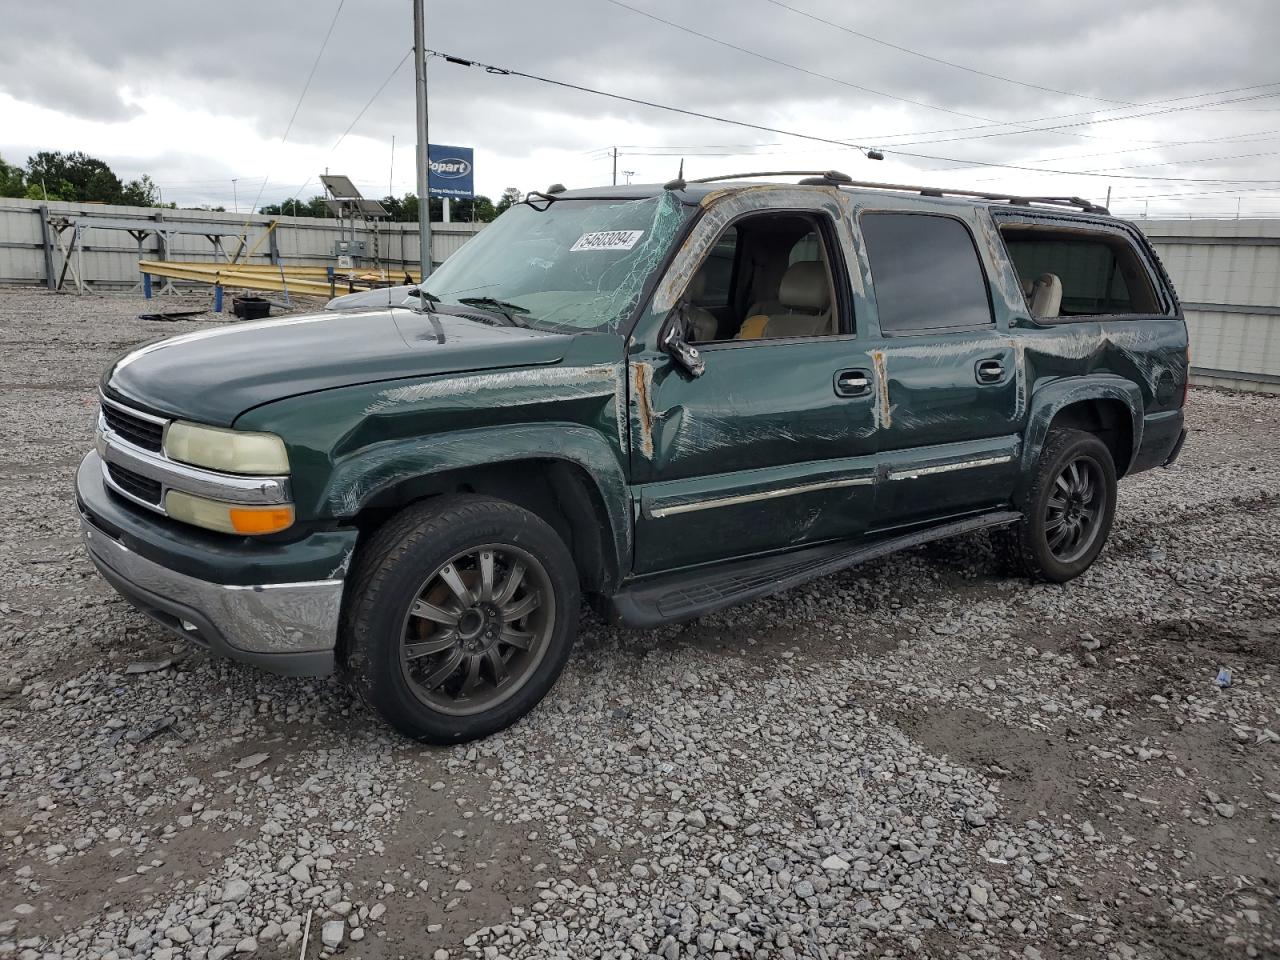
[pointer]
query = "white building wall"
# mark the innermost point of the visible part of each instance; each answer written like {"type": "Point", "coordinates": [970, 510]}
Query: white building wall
{"type": "Point", "coordinates": [110, 257]}
{"type": "Point", "coordinates": [1227, 274]}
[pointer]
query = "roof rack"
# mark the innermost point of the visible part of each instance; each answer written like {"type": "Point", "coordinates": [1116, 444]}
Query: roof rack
{"type": "Point", "coordinates": [834, 178]}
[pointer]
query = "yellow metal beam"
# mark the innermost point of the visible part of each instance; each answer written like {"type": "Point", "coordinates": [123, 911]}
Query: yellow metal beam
{"type": "Point", "coordinates": [296, 278]}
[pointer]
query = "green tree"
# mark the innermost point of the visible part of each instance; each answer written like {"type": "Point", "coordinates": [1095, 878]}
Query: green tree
{"type": "Point", "coordinates": [141, 192]}
{"type": "Point", "coordinates": [73, 176]}
{"type": "Point", "coordinates": [13, 181]}
{"type": "Point", "coordinates": [399, 209]}
{"type": "Point", "coordinates": [293, 207]}
{"type": "Point", "coordinates": [510, 197]}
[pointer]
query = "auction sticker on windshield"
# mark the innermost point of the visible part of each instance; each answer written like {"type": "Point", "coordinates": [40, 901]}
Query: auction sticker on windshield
{"type": "Point", "coordinates": [607, 240]}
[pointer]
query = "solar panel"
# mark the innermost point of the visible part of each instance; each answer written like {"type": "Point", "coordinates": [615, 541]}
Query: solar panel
{"type": "Point", "coordinates": [340, 186]}
{"type": "Point", "coordinates": [370, 208]}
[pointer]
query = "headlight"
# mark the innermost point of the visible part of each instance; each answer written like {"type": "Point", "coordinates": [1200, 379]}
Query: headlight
{"type": "Point", "coordinates": [227, 517]}
{"type": "Point", "coordinates": [231, 451]}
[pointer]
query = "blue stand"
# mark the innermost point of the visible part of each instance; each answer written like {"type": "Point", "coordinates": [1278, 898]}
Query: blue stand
{"type": "Point", "coordinates": [217, 298]}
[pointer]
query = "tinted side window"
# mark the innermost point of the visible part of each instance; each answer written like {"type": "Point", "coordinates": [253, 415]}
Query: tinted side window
{"type": "Point", "coordinates": [925, 272]}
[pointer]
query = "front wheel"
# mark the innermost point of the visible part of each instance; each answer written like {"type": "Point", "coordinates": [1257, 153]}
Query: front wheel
{"type": "Point", "coordinates": [1068, 509]}
{"type": "Point", "coordinates": [461, 617]}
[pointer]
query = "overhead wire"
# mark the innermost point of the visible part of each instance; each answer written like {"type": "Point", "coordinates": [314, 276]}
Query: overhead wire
{"type": "Point", "coordinates": [351, 126]}
{"type": "Point", "coordinates": [1094, 120]}
{"type": "Point", "coordinates": [947, 63]}
{"type": "Point", "coordinates": [510, 71]}
{"type": "Point", "coordinates": [333, 22]}
{"type": "Point", "coordinates": [1092, 113]}
{"type": "Point", "coordinates": [814, 73]}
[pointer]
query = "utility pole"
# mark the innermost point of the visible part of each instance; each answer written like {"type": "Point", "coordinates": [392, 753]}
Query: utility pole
{"type": "Point", "coordinates": [615, 166]}
{"type": "Point", "coordinates": [1108, 203]}
{"type": "Point", "coordinates": [420, 78]}
{"type": "Point", "coordinates": [235, 198]}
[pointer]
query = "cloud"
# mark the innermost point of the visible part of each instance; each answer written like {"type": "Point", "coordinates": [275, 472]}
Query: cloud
{"type": "Point", "coordinates": [200, 94]}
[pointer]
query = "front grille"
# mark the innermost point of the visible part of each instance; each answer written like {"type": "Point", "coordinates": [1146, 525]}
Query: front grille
{"type": "Point", "coordinates": [144, 488]}
{"type": "Point", "coordinates": [136, 430]}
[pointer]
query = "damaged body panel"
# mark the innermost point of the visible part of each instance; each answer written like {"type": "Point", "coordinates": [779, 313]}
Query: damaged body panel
{"type": "Point", "coordinates": [704, 391]}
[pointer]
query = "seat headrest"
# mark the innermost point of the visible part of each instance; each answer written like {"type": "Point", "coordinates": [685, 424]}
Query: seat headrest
{"type": "Point", "coordinates": [804, 286]}
{"type": "Point", "coordinates": [1046, 296]}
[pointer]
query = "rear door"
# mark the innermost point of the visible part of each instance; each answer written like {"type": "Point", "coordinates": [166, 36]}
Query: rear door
{"type": "Point", "coordinates": [951, 411]}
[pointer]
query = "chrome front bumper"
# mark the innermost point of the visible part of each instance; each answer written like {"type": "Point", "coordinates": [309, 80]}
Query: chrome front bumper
{"type": "Point", "coordinates": [286, 628]}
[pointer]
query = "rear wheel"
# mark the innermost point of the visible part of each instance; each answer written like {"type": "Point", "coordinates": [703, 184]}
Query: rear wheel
{"type": "Point", "coordinates": [1068, 509]}
{"type": "Point", "coordinates": [461, 617]}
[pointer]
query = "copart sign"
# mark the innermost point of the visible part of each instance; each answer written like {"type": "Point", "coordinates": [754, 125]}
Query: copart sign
{"type": "Point", "coordinates": [450, 172]}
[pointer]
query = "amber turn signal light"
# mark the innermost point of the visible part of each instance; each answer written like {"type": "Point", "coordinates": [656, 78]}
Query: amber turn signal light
{"type": "Point", "coordinates": [251, 520]}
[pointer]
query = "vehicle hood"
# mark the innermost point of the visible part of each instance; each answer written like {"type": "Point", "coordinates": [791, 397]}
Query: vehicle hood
{"type": "Point", "coordinates": [213, 376]}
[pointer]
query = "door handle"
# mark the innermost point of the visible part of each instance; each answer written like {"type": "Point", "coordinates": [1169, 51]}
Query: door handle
{"type": "Point", "coordinates": [989, 371]}
{"type": "Point", "coordinates": [852, 383]}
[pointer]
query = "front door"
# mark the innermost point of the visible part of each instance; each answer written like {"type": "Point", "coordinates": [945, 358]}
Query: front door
{"type": "Point", "coordinates": [774, 445]}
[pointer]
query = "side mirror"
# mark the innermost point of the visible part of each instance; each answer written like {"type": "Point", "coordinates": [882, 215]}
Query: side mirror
{"type": "Point", "coordinates": [673, 342]}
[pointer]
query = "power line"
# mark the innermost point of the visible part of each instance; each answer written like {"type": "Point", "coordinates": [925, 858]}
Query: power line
{"type": "Point", "coordinates": [1092, 121]}
{"type": "Point", "coordinates": [1233, 138]}
{"type": "Point", "coordinates": [805, 70]}
{"type": "Point", "coordinates": [511, 72]}
{"type": "Point", "coordinates": [351, 126]}
{"type": "Point", "coordinates": [301, 96]}
{"type": "Point", "coordinates": [1176, 163]}
{"type": "Point", "coordinates": [377, 93]}
{"type": "Point", "coordinates": [987, 121]}
{"type": "Point", "coordinates": [945, 63]}
{"type": "Point", "coordinates": [1087, 113]}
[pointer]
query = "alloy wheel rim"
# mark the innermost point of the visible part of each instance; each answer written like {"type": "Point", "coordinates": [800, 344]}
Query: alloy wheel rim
{"type": "Point", "coordinates": [477, 629]}
{"type": "Point", "coordinates": [1073, 514]}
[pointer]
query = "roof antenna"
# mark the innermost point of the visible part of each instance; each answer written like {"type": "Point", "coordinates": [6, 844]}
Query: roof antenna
{"type": "Point", "coordinates": [678, 183]}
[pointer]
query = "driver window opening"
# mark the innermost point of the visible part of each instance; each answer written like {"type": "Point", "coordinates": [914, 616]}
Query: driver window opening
{"type": "Point", "coordinates": [767, 277]}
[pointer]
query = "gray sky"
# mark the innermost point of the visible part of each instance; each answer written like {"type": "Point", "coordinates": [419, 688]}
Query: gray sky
{"type": "Point", "coordinates": [200, 94]}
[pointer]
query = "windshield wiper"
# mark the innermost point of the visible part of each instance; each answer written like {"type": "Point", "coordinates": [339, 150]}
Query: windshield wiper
{"type": "Point", "coordinates": [507, 310]}
{"type": "Point", "coordinates": [426, 306]}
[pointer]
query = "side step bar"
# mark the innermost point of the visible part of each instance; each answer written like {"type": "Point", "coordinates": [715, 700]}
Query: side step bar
{"type": "Point", "coordinates": [686, 594]}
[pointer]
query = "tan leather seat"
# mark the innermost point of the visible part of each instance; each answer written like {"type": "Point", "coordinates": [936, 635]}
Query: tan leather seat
{"type": "Point", "coordinates": [805, 297]}
{"type": "Point", "coordinates": [1045, 297]}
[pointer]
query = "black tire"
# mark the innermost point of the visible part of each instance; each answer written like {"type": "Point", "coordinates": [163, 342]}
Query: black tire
{"type": "Point", "coordinates": [387, 588]}
{"type": "Point", "coordinates": [1037, 546]}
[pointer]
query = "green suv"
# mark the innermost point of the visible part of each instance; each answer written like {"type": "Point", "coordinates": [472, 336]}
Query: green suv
{"type": "Point", "coordinates": [666, 399]}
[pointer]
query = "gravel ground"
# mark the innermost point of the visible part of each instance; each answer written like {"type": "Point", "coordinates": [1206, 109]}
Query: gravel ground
{"type": "Point", "coordinates": [913, 759]}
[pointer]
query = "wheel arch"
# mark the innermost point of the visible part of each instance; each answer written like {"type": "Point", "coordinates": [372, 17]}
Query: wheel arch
{"type": "Point", "coordinates": [1106, 406]}
{"type": "Point", "coordinates": [564, 473]}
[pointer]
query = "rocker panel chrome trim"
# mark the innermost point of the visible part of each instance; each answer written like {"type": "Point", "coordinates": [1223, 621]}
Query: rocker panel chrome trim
{"type": "Point", "coordinates": [676, 509]}
{"type": "Point", "coordinates": [910, 473]}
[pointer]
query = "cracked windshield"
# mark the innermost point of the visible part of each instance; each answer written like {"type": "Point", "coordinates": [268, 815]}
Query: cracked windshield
{"type": "Point", "coordinates": [574, 265]}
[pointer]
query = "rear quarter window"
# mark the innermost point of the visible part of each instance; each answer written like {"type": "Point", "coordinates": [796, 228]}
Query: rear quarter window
{"type": "Point", "coordinates": [1100, 271]}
